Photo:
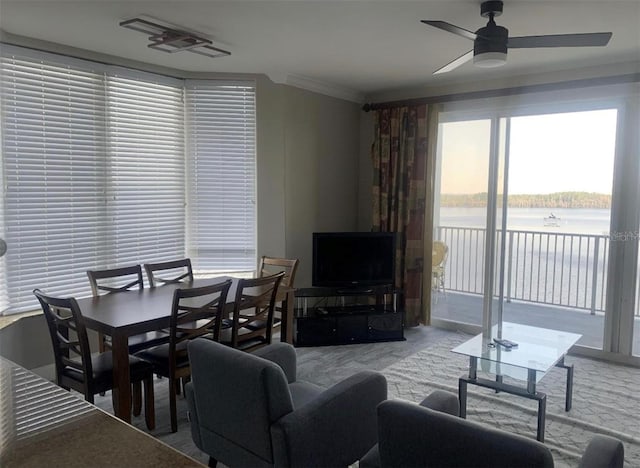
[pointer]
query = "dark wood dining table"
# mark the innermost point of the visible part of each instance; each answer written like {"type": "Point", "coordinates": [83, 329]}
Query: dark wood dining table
{"type": "Point", "coordinates": [121, 315]}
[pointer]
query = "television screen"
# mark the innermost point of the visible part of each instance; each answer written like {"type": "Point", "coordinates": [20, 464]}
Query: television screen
{"type": "Point", "coordinates": [353, 259]}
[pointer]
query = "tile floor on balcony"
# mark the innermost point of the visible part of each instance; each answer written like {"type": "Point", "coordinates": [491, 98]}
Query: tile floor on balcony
{"type": "Point", "coordinates": [467, 308]}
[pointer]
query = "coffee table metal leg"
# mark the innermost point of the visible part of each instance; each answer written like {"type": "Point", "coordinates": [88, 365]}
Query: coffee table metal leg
{"type": "Point", "coordinates": [473, 367]}
{"type": "Point", "coordinates": [462, 397]}
{"type": "Point", "coordinates": [542, 411]}
{"type": "Point", "coordinates": [569, 396]}
{"type": "Point", "coordinates": [531, 381]}
{"type": "Point", "coordinates": [569, 392]}
{"type": "Point", "coordinates": [499, 380]}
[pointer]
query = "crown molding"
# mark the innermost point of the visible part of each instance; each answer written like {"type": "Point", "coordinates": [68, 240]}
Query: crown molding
{"type": "Point", "coordinates": [320, 87]}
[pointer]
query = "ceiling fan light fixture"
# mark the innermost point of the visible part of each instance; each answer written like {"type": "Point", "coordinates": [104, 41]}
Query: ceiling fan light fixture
{"type": "Point", "coordinates": [490, 59]}
{"type": "Point", "coordinates": [490, 43]}
{"type": "Point", "coordinates": [170, 40]}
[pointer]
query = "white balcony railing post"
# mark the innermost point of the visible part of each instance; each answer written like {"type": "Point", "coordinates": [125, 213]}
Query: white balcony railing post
{"type": "Point", "coordinates": [594, 280]}
{"type": "Point", "coordinates": [509, 266]}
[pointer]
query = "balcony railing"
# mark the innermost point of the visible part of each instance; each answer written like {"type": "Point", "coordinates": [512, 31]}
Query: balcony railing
{"type": "Point", "coordinates": [560, 269]}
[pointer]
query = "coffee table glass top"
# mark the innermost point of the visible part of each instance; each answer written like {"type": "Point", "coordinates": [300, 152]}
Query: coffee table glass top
{"type": "Point", "coordinates": [539, 349]}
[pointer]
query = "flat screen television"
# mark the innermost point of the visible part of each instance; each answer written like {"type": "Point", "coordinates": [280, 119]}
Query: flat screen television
{"type": "Point", "coordinates": [353, 259]}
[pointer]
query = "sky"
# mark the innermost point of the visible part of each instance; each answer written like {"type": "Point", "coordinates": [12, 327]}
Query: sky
{"type": "Point", "coordinates": [549, 153]}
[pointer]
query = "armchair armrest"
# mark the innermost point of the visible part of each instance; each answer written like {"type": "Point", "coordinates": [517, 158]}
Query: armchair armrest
{"type": "Point", "coordinates": [335, 429]}
{"type": "Point", "coordinates": [603, 452]}
{"type": "Point", "coordinates": [445, 402]}
{"type": "Point", "coordinates": [282, 354]}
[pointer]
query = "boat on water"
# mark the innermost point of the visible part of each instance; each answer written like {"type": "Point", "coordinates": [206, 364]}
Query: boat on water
{"type": "Point", "coordinates": [551, 221]}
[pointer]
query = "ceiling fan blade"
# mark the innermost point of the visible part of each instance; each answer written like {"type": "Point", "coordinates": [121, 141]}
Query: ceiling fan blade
{"type": "Point", "coordinates": [452, 28]}
{"type": "Point", "coordinates": [464, 58]}
{"type": "Point", "coordinates": [560, 40]}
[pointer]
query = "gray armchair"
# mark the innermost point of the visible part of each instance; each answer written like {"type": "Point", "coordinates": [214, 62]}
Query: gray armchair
{"type": "Point", "coordinates": [437, 400]}
{"type": "Point", "coordinates": [250, 410]}
{"type": "Point", "coordinates": [414, 436]}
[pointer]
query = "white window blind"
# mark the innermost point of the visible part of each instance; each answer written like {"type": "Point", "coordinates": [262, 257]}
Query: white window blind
{"type": "Point", "coordinates": [145, 195]}
{"type": "Point", "coordinates": [221, 175]}
{"type": "Point", "coordinates": [53, 150]}
{"type": "Point", "coordinates": [93, 173]}
{"type": "Point", "coordinates": [4, 299]}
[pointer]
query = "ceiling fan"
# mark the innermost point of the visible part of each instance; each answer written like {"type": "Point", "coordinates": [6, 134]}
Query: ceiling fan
{"type": "Point", "coordinates": [491, 42]}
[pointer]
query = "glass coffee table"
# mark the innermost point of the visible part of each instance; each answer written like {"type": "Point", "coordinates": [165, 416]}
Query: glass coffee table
{"type": "Point", "coordinates": [539, 349]}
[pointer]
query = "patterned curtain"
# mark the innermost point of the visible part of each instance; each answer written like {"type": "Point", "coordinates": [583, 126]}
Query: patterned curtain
{"type": "Point", "coordinates": [399, 154]}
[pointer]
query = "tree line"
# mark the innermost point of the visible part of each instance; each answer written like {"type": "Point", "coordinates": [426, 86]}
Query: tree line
{"type": "Point", "coordinates": [547, 200]}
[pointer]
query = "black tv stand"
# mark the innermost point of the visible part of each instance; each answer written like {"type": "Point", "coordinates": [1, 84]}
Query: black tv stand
{"type": "Point", "coordinates": [352, 291]}
{"type": "Point", "coordinates": [330, 316]}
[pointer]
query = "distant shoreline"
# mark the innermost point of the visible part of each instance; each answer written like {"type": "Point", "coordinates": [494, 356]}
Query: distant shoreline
{"type": "Point", "coordinates": [549, 200]}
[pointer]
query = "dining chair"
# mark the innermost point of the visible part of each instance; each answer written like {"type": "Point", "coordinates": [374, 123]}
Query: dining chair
{"type": "Point", "coordinates": [179, 270]}
{"type": "Point", "coordinates": [77, 368]}
{"type": "Point", "coordinates": [271, 265]}
{"type": "Point", "coordinates": [117, 280]}
{"type": "Point", "coordinates": [174, 271]}
{"type": "Point", "coordinates": [253, 310]}
{"type": "Point", "coordinates": [204, 306]}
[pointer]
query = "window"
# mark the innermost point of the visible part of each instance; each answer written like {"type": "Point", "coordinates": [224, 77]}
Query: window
{"type": "Point", "coordinates": [563, 174]}
{"type": "Point", "coordinates": [93, 166]}
{"type": "Point", "coordinates": [145, 192]}
{"type": "Point", "coordinates": [53, 150]}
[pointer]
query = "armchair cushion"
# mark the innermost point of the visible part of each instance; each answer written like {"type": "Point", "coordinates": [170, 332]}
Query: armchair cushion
{"type": "Point", "coordinates": [303, 393]}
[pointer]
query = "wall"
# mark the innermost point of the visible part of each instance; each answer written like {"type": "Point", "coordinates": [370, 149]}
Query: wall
{"type": "Point", "coordinates": [308, 170]}
{"type": "Point", "coordinates": [270, 155]}
{"type": "Point", "coordinates": [27, 342]}
{"type": "Point", "coordinates": [321, 141]}
{"type": "Point", "coordinates": [365, 175]}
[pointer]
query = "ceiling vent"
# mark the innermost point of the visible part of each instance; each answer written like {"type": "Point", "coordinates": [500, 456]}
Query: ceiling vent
{"type": "Point", "coordinates": [172, 40]}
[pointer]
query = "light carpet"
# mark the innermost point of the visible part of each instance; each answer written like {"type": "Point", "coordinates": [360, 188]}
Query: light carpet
{"type": "Point", "coordinates": [606, 400]}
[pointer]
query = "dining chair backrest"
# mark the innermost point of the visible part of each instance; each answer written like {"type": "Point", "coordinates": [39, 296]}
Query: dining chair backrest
{"type": "Point", "coordinates": [178, 271]}
{"type": "Point", "coordinates": [253, 312]}
{"type": "Point", "coordinates": [71, 349]}
{"type": "Point", "coordinates": [115, 280]}
{"type": "Point", "coordinates": [196, 312]}
{"type": "Point", "coordinates": [271, 265]}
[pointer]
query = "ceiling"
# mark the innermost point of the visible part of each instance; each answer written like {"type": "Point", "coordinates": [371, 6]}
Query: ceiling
{"type": "Point", "coordinates": [364, 47]}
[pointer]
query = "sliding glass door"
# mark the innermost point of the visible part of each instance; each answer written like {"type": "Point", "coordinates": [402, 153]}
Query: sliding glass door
{"type": "Point", "coordinates": [460, 220]}
{"type": "Point", "coordinates": [558, 217]}
{"type": "Point", "coordinates": [524, 204]}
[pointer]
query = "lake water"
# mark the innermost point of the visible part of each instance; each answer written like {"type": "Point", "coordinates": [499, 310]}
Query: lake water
{"type": "Point", "coordinates": [568, 220]}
